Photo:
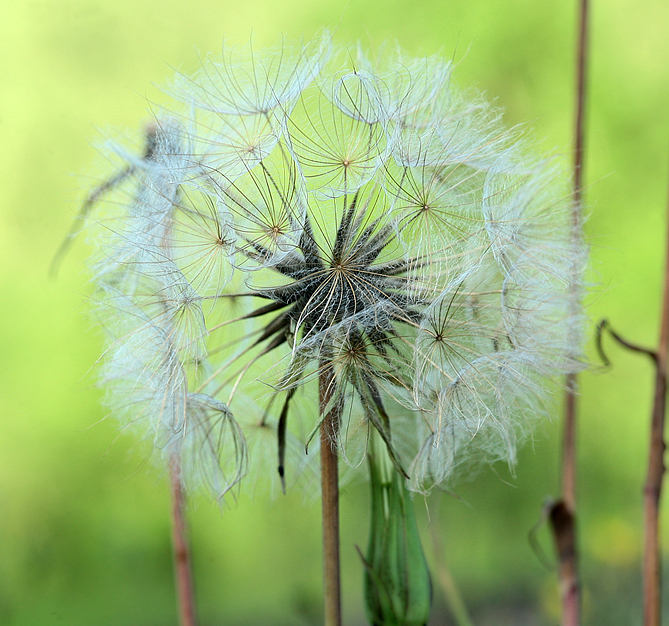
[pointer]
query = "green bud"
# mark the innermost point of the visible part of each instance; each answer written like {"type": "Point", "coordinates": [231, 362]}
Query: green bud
{"type": "Point", "coordinates": [398, 590]}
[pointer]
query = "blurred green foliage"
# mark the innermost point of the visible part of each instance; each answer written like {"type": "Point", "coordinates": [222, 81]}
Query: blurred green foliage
{"type": "Point", "coordinates": [84, 522]}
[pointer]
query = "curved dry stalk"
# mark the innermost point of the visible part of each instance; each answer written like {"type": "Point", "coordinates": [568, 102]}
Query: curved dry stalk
{"type": "Point", "coordinates": [653, 487]}
{"type": "Point", "coordinates": [652, 601]}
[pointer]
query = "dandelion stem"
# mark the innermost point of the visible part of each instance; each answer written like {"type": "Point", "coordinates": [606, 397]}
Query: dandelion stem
{"type": "Point", "coordinates": [182, 566]}
{"type": "Point", "coordinates": [330, 497]}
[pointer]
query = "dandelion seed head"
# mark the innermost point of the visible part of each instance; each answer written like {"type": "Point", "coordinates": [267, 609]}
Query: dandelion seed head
{"type": "Point", "coordinates": [306, 213]}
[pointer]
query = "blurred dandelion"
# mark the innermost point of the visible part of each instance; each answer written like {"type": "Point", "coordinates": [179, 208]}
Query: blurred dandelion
{"type": "Point", "coordinates": [309, 216]}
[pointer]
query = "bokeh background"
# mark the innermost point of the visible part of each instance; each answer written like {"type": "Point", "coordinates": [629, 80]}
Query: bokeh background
{"type": "Point", "coordinates": [84, 527]}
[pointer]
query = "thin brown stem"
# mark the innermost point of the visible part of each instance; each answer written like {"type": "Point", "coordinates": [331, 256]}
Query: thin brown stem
{"type": "Point", "coordinates": [562, 515]}
{"type": "Point", "coordinates": [569, 444]}
{"type": "Point", "coordinates": [579, 134]}
{"type": "Point", "coordinates": [563, 512]}
{"type": "Point", "coordinates": [653, 488]}
{"type": "Point", "coordinates": [564, 531]}
{"type": "Point", "coordinates": [330, 497]}
{"type": "Point", "coordinates": [182, 566]}
{"type": "Point", "coordinates": [652, 492]}
{"type": "Point", "coordinates": [605, 325]}
{"type": "Point", "coordinates": [569, 436]}
{"type": "Point", "coordinates": [569, 433]}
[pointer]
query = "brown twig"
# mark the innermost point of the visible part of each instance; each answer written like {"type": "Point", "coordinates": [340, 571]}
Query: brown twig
{"type": "Point", "coordinates": [605, 325]}
{"type": "Point", "coordinates": [330, 496]}
{"type": "Point", "coordinates": [182, 565]}
{"type": "Point", "coordinates": [653, 488]}
{"type": "Point", "coordinates": [563, 512]}
{"type": "Point", "coordinates": [564, 532]}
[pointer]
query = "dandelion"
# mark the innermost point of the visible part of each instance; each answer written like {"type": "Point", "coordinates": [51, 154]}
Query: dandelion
{"type": "Point", "coordinates": [306, 217]}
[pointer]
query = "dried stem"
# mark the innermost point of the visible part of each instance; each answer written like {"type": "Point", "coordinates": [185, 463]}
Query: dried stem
{"type": "Point", "coordinates": [569, 437]}
{"type": "Point", "coordinates": [563, 512]}
{"type": "Point", "coordinates": [653, 488]}
{"type": "Point", "coordinates": [330, 497]}
{"type": "Point", "coordinates": [182, 566]}
{"type": "Point", "coordinates": [564, 531]}
{"type": "Point", "coordinates": [652, 574]}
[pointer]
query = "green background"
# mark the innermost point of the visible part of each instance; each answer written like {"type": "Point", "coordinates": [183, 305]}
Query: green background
{"type": "Point", "coordinates": [84, 527]}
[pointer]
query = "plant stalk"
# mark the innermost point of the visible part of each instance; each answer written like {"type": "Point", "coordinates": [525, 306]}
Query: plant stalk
{"type": "Point", "coordinates": [569, 434]}
{"type": "Point", "coordinates": [653, 487]}
{"type": "Point", "coordinates": [563, 512]}
{"type": "Point", "coordinates": [563, 525]}
{"type": "Point", "coordinates": [182, 563]}
{"type": "Point", "coordinates": [330, 496]}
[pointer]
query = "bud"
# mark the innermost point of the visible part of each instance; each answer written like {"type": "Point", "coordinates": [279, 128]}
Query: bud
{"type": "Point", "coordinates": [398, 590]}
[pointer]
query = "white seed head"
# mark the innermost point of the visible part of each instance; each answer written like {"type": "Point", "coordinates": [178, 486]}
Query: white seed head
{"type": "Point", "coordinates": [302, 212]}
